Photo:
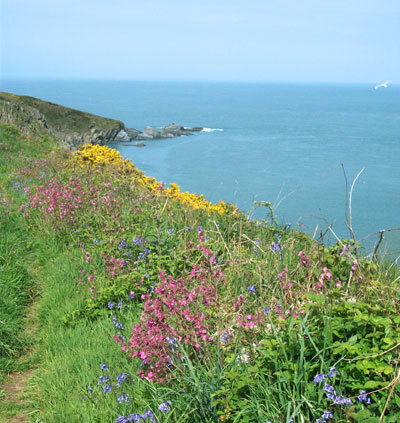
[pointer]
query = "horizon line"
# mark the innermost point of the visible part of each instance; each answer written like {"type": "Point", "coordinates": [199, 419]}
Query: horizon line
{"type": "Point", "coordinates": [160, 80]}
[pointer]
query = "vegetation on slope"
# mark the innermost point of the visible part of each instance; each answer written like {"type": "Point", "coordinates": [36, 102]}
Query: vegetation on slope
{"type": "Point", "coordinates": [37, 117]}
{"type": "Point", "coordinates": [157, 305]}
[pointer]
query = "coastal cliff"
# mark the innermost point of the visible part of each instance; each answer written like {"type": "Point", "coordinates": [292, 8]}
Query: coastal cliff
{"type": "Point", "coordinates": [71, 127]}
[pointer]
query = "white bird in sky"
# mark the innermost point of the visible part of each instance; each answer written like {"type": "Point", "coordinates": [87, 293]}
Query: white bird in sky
{"type": "Point", "coordinates": [383, 85]}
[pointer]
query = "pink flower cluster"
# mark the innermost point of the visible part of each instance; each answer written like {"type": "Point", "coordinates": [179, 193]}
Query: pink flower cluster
{"type": "Point", "coordinates": [64, 202]}
{"type": "Point", "coordinates": [179, 311]}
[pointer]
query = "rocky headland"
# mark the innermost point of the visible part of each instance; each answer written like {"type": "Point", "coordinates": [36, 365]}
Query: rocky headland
{"type": "Point", "coordinates": [35, 117]}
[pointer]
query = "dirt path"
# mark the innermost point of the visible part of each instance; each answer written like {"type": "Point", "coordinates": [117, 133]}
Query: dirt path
{"type": "Point", "coordinates": [14, 402]}
{"type": "Point", "coordinates": [13, 408]}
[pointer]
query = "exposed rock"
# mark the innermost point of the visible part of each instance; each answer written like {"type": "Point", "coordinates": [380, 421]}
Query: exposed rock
{"type": "Point", "coordinates": [170, 131]}
{"type": "Point", "coordinates": [132, 133]}
{"type": "Point", "coordinates": [140, 144]}
{"type": "Point", "coordinates": [150, 133]}
{"type": "Point", "coordinates": [194, 129]}
{"type": "Point", "coordinates": [122, 136]}
{"type": "Point", "coordinates": [174, 129]}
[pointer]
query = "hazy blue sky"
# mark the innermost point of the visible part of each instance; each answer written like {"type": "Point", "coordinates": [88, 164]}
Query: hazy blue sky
{"type": "Point", "coordinates": [220, 40]}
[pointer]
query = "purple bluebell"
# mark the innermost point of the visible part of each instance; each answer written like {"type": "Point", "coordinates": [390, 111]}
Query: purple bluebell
{"type": "Point", "coordinates": [164, 407]}
{"type": "Point", "coordinates": [225, 337]}
{"type": "Point", "coordinates": [122, 377]}
{"type": "Point", "coordinates": [122, 419]}
{"type": "Point", "coordinates": [363, 397]}
{"type": "Point", "coordinates": [102, 379]}
{"type": "Point", "coordinates": [117, 324]}
{"type": "Point", "coordinates": [110, 305]}
{"type": "Point", "coordinates": [328, 388]}
{"type": "Point", "coordinates": [267, 310]}
{"type": "Point", "coordinates": [252, 289]}
{"type": "Point", "coordinates": [319, 378]}
{"type": "Point", "coordinates": [333, 372]}
{"type": "Point", "coordinates": [148, 414]}
{"type": "Point", "coordinates": [124, 397]}
{"type": "Point", "coordinates": [327, 415]}
{"type": "Point", "coordinates": [103, 366]}
{"type": "Point", "coordinates": [107, 388]}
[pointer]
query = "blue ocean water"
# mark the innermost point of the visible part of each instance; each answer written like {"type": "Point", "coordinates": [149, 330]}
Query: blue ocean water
{"type": "Point", "coordinates": [280, 143]}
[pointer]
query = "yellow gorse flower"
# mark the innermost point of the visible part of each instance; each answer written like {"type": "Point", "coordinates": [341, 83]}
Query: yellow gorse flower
{"type": "Point", "coordinates": [102, 155]}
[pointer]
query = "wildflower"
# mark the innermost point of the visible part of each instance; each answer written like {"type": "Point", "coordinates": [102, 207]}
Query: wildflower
{"type": "Point", "coordinates": [107, 388]}
{"type": "Point", "coordinates": [137, 241]}
{"type": "Point", "coordinates": [333, 372]}
{"type": "Point", "coordinates": [164, 407]}
{"type": "Point", "coordinates": [150, 415]}
{"type": "Point", "coordinates": [328, 388]}
{"type": "Point", "coordinates": [282, 275]}
{"type": "Point", "coordinates": [327, 415]}
{"type": "Point", "coordinates": [305, 260]}
{"type": "Point", "coordinates": [103, 366]}
{"type": "Point", "coordinates": [252, 289]}
{"type": "Point", "coordinates": [363, 397]}
{"type": "Point", "coordinates": [122, 419]}
{"type": "Point", "coordinates": [225, 337]}
{"type": "Point", "coordinates": [131, 295]}
{"type": "Point", "coordinates": [120, 305]}
{"type": "Point", "coordinates": [110, 305]}
{"type": "Point", "coordinates": [102, 379]}
{"type": "Point", "coordinates": [90, 390]}
{"type": "Point", "coordinates": [267, 310]}
{"type": "Point", "coordinates": [124, 397]}
{"type": "Point", "coordinates": [117, 324]}
{"type": "Point", "coordinates": [135, 417]}
{"type": "Point", "coordinates": [319, 378]}
{"type": "Point", "coordinates": [122, 377]}
{"type": "Point", "coordinates": [320, 421]}
{"type": "Point", "coordinates": [170, 231]}
{"type": "Point", "coordinates": [276, 248]}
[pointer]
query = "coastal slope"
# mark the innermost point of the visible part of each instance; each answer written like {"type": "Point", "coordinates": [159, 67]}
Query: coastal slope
{"type": "Point", "coordinates": [71, 127]}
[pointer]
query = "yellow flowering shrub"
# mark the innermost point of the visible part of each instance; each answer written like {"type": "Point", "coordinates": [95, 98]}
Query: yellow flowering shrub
{"type": "Point", "coordinates": [102, 155]}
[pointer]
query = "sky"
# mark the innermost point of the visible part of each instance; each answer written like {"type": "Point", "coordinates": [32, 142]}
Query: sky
{"type": "Point", "coordinates": [340, 41]}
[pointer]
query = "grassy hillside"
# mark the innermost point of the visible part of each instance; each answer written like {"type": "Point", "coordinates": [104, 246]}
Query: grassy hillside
{"type": "Point", "coordinates": [157, 305]}
{"type": "Point", "coordinates": [37, 117]}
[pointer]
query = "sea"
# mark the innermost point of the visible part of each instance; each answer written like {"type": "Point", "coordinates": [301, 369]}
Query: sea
{"type": "Point", "coordinates": [321, 154]}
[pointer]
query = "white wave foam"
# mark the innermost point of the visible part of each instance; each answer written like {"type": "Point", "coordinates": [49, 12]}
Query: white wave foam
{"type": "Point", "coordinates": [211, 129]}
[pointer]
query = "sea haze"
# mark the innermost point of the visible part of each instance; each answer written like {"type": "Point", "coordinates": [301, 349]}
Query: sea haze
{"type": "Point", "coordinates": [280, 143]}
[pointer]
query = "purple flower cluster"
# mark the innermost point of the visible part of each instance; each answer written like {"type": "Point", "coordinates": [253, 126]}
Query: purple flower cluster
{"type": "Point", "coordinates": [135, 417]}
{"type": "Point", "coordinates": [332, 395]}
